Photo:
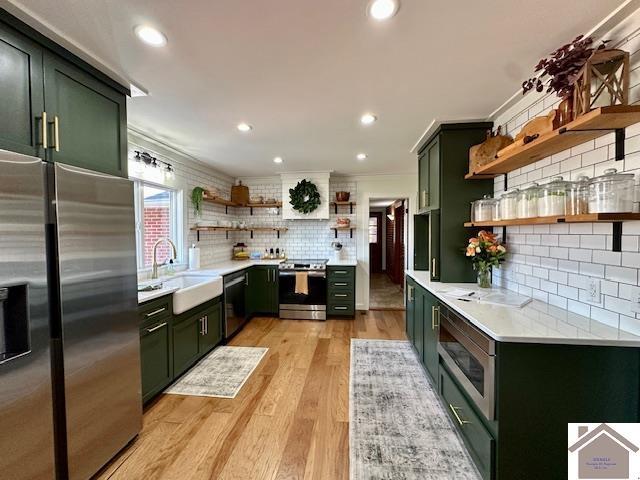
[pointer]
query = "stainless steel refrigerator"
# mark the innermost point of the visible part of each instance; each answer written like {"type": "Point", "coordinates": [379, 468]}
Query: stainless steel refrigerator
{"type": "Point", "coordinates": [70, 391]}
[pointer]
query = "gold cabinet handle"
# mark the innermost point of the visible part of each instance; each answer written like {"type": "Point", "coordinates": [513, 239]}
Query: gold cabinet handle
{"type": "Point", "coordinates": [157, 327]}
{"type": "Point", "coordinates": [435, 310]}
{"type": "Point", "coordinates": [455, 414]}
{"type": "Point", "coordinates": [56, 133]}
{"type": "Point", "coordinates": [433, 267]}
{"type": "Point", "coordinates": [155, 312]}
{"type": "Point", "coordinates": [45, 125]}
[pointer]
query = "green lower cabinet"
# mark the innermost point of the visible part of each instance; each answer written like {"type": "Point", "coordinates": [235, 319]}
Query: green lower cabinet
{"type": "Point", "coordinates": [155, 358]}
{"type": "Point", "coordinates": [410, 309]}
{"type": "Point", "coordinates": [341, 291]}
{"type": "Point", "coordinates": [419, 321]}
{"type": "Point", "coordinates": [212, 328]}
{"type": "Point", "coordinates": [186, 343]}
{"type": "Point", "coordinates": [262, 290]}
{"type": "Point", "coordinates": [431, 331]}
{"type": "Point", "coordinates": [479, 441]}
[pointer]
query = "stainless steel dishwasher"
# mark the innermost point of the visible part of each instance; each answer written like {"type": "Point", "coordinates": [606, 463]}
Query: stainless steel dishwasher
{"type": "Point", "coordinates": [234, 303]}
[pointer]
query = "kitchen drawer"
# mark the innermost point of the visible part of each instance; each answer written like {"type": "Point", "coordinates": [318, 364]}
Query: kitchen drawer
{"type": "Point", "coordinates": [479, 441]}
{"type": "Point", "coordinates": [344, 308]}
{"type": "Point", "coordinates": [341, 273]}
{"type": "Point", "coordinates": [341, 296]}
{"type": "Point", "coordinates": [341, 284]}
{"type": "Point", "coordinates": [155, 310]}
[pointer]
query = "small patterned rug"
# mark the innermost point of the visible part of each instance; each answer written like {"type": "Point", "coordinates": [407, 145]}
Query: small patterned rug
{"type": "Point", "coordinates": [222, 373]}
{"type": "Point", "coordinates": [399, 429]}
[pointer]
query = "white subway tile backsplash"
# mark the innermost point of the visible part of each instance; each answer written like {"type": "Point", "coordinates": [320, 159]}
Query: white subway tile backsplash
{"type": "Point", "coordinates": [571, 241]}
{"type": "Point", "coordinates": [580, 255]}
{"type": "Point", "coordinates": [592, 269]}
{"type": "Point", "coordinates": [606, 257]}
{"type": "Point", "coordinates": [579, 307]}
{"type": "Point", "coordinates": [622, 274]}
{"type": "Point", "coordinates": [558, 277]}
{"type": "Point", "coordinates": [593, 242]}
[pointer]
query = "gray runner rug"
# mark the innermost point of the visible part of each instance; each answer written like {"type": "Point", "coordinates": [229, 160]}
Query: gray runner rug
{"type": "Point", "coordinates": [398, 428]}
{"type": "Point", "coordinates": [222, 373]}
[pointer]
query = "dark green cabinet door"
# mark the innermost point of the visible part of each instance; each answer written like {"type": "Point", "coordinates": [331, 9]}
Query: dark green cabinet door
{"type": "Point", "coordinates": [186, 343]}
{"type": "Point", "coordinates": [91, 119]}
{"type": "Point", "coordinates": [433, 152]}
{"type": "Point", "coordinates": [419, 321]}
{"type": "Point", "coordinates": [410, 311]}
{"type": "Point", "coordinates": [155, 359]}
{"type": "Point", "coordinates": [21, 94]}
{"type": "Point", "coordinates": [434, 244]}
{"type": "Point", "coordinates": [423, 181]}
{"type": "Point", "coordinates": [211, 333]}
{"type": "Point", "coordinates": [262, 291]}
{"type": "Point", "coordinates": [431, 332]}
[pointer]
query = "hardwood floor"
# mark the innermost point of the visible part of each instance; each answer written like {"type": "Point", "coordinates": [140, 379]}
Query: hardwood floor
{"type": "Point", "coordinates": [289, 421]}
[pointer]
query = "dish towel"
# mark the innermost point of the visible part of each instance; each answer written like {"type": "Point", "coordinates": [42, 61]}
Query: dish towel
{"type": "Point", "coordinates": [302, 283]}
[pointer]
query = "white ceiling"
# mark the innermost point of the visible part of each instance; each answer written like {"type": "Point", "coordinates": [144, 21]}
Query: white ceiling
{"type": "Point", "coordinates": [381, 202]}
{"type": "Point", "coordinates": [303, 71]}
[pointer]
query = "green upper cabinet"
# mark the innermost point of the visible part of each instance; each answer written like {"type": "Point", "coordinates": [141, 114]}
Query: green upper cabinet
{"type": "Point", "coordinates": [262, 290]}
{"type": "Point", "coordinates": [445, 198]}
{"type": "Point", "coordinates": [88, 119]}
{"type": "Point", "coordinates": [57, 107]}
{"type": "Point", "coordinates": [21, 94]}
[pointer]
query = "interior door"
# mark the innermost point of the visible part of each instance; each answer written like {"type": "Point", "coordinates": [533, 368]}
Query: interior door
{"type": "Point", "coordinates": [375, 242]}
{"type": "Point", "coordinates": [99, 305]}
{"type": "Point", "coordinates": [21, 94]}
{"type": "Point", "coordinates": [26, 411]}
{"type": "Point", "coordinates": [91, 130]}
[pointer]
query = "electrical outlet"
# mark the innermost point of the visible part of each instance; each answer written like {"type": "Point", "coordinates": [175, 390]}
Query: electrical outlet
{"type": "Point", "coordinates": [593, 290]}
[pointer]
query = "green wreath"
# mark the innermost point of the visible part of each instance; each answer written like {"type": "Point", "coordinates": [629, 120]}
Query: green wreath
{"type": "Point", "coordinates": [304, 197]}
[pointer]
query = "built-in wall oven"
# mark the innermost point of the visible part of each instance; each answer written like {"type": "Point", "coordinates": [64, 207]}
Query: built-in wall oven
{"type": "Point", "coordinates": [470, 356]}
{"type": "Point", "coordinates": [309, 300]}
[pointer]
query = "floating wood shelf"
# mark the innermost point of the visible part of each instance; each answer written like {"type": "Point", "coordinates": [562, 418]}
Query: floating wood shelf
{"type": "Point", "coordinates": [228, 203]}
{"type": "Point", "coordinates": [589, 126]}
{"type": "Point", "coordinates": [237, 229]}
{"type": "Point", "coordinates": [336, 204]}
{"type": "Point", "coordinates": [337, 228]}
{"type": "Point", "coordinates": [586, 218]}
{"type": "Point", "coordinates": [615, 218]}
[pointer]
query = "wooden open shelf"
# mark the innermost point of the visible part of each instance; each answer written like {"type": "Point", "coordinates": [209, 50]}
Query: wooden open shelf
{"type": "Point", "coordinates": [586, 218]}
{"type": "Point", "coordinates": [336, 229]}
{"type": "Point", "coordinates": [594, 124]}
{"type": "Point", "coordinates": [228, 203]}
{"type": "Point", "coordinates": [237, 229]}
{"type": "Point", "coordinates": [336, 204]}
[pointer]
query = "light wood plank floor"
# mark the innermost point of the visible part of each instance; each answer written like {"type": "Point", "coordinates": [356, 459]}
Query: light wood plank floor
{"type": "Point", "coordinates": [289, 421]}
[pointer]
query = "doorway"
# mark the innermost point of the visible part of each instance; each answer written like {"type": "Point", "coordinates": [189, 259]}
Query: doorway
{"type": "Point", "coordinates": [387, 251]}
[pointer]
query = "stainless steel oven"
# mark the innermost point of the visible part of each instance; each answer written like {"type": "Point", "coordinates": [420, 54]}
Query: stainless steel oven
{"type": "Point", "coordinates": [311, 305]}
{"type": "Point", "coordinates": [470, 356]}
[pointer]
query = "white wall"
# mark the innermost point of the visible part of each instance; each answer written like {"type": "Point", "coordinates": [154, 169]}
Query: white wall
{"type": "Point", "coordinates": [556, 263]}
{"type": "Point", "coordinates": [381, 186]}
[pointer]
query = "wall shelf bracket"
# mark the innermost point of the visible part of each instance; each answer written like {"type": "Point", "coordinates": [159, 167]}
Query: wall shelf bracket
{"type": "Point", "coordinates": [617, 237]}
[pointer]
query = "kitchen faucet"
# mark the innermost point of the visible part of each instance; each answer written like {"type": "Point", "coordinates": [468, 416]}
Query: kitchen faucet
{"type": "Point", "coordinates": [154, 273]}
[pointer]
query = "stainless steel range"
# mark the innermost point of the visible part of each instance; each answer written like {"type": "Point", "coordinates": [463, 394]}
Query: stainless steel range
{"type": "Point", "coordinates": [303, 289]}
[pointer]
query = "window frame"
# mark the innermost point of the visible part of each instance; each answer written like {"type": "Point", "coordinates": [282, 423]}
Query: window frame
{"type": "Point", "coordinates": [176, 215]}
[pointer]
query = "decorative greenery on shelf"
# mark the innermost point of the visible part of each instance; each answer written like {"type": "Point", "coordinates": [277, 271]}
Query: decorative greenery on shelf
{"type": "Point", "coordinates": [305, 197]}
{"type": "Point", "coordinates": [197, 195]}
{"type": "Point", "coordinates": [562, 67]}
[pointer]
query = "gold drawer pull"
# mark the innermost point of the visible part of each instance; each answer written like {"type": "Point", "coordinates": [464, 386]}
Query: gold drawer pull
{"type": "Point", "coordinates": [155, 312]}
{"type": "Point", "coordinates": [455, 414]}
{"type": "Point", "coordinates": [341, 284]}
{"type": "Point", "coordinates": [340, 308]}
{"type": "Point", "coordinates": [56, 133]}
{"type": "Point", "coordinates": [340, 295]}
{"type": "Point", "coordinates": [340, 272]}
{"type": "Point", "coordinates": [45, 126]}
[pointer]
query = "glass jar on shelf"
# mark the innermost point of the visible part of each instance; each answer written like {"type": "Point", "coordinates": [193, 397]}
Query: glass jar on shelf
{"type": "Point", "coordinates": [612, 192]}
{"type": "Point", "coordinates": [552, 198]}
{"type": "Point", "coordinates": [485, 209]}
{"type": "Point", "coordinates": [509, 204]}
{"type": "Point", "coordinates": [578, 196]}
{"type": "Point", "coordinates": [528, 201]}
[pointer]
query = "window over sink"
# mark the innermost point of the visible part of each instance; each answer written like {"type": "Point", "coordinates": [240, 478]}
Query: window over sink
{"type": "Point", "coordinates": [158, 215]}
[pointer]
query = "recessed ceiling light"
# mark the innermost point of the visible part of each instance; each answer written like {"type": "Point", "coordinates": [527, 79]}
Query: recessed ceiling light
{"type": "Point", "coordinates": [151, 36]}
{"type": "Point", "coordinates": [277, 160]}
{"type": "Point", "coordinates": [361, 156]}
{"type": "Point", "coordinates": [244, 127]}
{"type": "Point", "coordinates": [368, 118]}
{"type": "Point", "coordinates": [383, 9]}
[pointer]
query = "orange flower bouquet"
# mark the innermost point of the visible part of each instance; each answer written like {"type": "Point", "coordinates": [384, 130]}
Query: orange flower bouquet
{"type": "Point", "coordinates": [485, 252]}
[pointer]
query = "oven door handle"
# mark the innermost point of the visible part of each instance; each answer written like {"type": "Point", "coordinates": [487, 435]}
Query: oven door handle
{"type": "Point", "coordinates": [311, 274]}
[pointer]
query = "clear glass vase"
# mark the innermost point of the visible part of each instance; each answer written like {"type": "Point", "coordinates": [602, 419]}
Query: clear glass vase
{"type": "Point", "coordinates": [484, 278]}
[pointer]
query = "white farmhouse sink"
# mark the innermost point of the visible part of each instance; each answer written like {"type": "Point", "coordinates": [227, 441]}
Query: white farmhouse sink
{"type": "Point", "coordinates": [193, 291]}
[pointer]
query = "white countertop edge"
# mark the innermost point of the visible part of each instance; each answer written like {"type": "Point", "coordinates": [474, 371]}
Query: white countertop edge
{"type": "Point", "coordinates": [147, 296]}
{"type": "Point", "coordinates": [342, 263]}
{"type": "Point", "coordinates": [458, 306]}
